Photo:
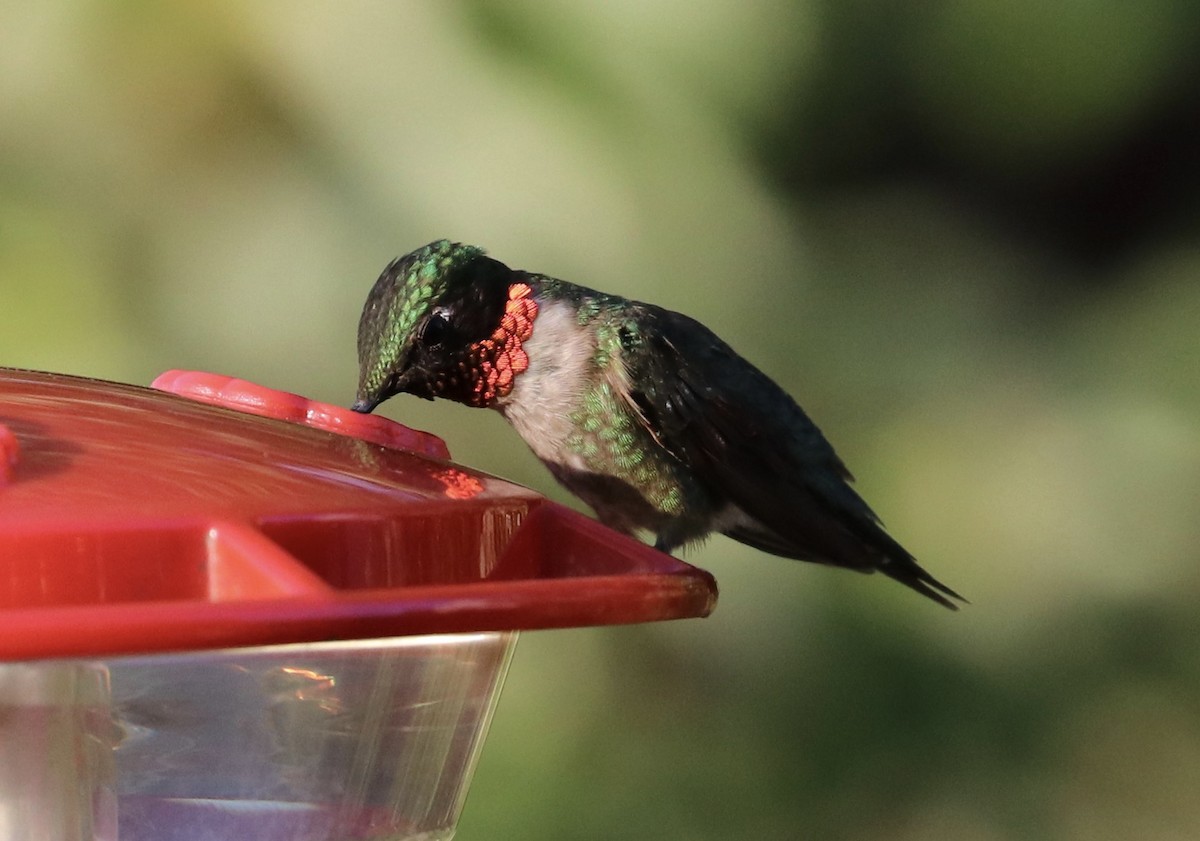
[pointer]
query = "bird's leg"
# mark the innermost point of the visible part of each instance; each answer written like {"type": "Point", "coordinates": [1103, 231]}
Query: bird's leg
{"type": "Point", "coordinates": [681, 531]}
{"type": "Point", "coordinates": [673, 535]}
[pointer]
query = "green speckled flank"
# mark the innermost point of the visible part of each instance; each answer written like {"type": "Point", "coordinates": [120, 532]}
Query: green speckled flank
{"type": "Point", "coordinates": [608, 342]}
{"type": "Point", "coordinates": [612, 442]}
{"type": "Point", "coordinates": [608, 436]}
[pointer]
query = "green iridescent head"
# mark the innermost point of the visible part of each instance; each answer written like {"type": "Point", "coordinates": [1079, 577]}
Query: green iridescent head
{"type": "Point", "coordinates": [426, 307]}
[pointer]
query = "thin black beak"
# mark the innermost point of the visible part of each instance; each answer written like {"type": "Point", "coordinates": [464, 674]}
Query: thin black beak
{"type": "Point", "coordinates": [367, 398]}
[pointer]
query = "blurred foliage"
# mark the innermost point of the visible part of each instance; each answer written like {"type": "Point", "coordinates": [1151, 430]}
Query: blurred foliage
{"type": "Point", "coordinates": [963, 233]}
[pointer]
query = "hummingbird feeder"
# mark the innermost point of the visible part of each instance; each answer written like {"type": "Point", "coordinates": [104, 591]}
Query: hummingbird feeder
{"type": "Point", "coordinates": [227, 612]}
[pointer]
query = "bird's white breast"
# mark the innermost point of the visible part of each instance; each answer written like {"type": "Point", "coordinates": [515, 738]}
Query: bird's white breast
{"type": "Point", "coordinates": [544, 396]}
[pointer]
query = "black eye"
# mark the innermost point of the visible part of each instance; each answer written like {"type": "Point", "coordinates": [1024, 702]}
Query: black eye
{"type": "Point", "coordinates": [436, 329]}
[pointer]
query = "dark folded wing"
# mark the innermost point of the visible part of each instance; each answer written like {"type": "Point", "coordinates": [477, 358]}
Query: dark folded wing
{"type": "Point", "coordinates": [749, 442]}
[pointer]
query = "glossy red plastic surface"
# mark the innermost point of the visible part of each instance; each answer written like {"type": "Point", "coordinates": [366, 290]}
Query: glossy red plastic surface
{"type": "Point", "coordinates": [134, 521]}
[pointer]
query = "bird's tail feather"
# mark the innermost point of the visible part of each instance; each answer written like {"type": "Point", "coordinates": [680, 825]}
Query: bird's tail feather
{"type": "Point", "coordinates": [911, 574]}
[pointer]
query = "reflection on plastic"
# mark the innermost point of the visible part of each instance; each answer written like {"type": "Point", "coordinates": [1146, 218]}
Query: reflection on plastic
{"type": "Point", "coordinates": [359, 740]}
{"type": "Point", "coordinates": [290, 743]}
{"type": "Point", "coordinates": [57, 774]}
{"type": "Point", "coordinates": [10, 451]}
{"type": "Point", "coordinates": [459, 484]}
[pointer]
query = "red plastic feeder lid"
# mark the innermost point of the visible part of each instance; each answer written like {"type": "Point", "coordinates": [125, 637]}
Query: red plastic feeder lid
{"type": "Point", "coordinates": [132, 520]}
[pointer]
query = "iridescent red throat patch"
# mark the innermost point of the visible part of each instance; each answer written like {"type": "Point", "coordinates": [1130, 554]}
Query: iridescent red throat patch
{"type": "Point", "coordinates": [499, 358]}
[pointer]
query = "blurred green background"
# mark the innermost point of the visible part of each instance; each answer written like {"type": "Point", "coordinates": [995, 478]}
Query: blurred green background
{"type": "Point", "coordinates": [963, 233]}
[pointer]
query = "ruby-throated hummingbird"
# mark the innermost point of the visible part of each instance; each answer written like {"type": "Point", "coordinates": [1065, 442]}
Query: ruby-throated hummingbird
{"type": "Point", "coordinates": [643, 413]}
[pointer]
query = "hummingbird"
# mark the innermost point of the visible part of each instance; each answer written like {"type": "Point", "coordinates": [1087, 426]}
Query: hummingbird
{"type": "Point", "coordinates": [642, 412]}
